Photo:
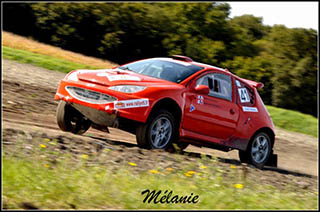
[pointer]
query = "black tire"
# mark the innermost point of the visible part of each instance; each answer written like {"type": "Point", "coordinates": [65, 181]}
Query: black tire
{"type": "Point", "coordinates": [71, 120]}
{"type": "Point", "coordinates": [258, 151]}
{"type": "Point", "coordinates": [147, 133]}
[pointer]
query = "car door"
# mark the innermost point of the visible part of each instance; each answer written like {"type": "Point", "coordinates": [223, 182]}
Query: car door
{"type": "Point", "coordinates": [215, 114]}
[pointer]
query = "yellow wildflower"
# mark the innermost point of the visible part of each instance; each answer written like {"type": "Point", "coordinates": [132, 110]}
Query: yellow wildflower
{"type": "Point", "coordinates": [46, 165]}
{"type": "Point", "coordinates": [233, 167]}
{"type": "Point", "coordinates": [153, 171]}
{"type": "Point", "coordinates": [239, 186]}
{"type": "Point", "coordinates": [43, 146]}
{"type": "Point", "coordinates": [46, 139]}
{"type": "Point", "coordinates": [84, 156]}
{"type": "Point", "coordinates": [203, 167]}
{"type": "Point", "coordinates": [189, 173]}
{"type": "Point", "coordinates": [132, 164]}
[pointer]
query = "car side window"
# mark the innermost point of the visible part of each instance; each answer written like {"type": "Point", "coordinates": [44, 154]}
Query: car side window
{"type": "Point", "coordinates": [220, 85]}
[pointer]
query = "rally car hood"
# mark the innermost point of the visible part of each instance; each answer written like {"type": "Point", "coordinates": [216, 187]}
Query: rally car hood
{"type": "Point", "coordinates": [110, 77]}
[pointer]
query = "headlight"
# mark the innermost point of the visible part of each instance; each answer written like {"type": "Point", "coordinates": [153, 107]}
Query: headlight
{"type": "Point", "coordinates": [128, 88]}
{"type": "Point", "coordinates": [73, 76]}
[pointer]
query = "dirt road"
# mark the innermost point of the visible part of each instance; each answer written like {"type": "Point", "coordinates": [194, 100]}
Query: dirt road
{"type": "Point", "coordinates": [29, 109]}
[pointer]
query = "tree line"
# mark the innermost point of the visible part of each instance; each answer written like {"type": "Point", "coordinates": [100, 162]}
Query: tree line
{"type": "Point", "coordinates": [284, 59]}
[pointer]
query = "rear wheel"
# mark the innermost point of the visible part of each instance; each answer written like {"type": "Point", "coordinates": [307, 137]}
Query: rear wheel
{"type": "Point", "coordinates": [71, 120]}
{"type": "Point", "coordinates": [258, 151]}
{"type": "Point", "coordinates": [159, 132]}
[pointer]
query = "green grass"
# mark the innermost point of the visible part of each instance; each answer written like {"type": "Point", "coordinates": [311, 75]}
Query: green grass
{"type": "Point", "coordinates": [65, 185]}
{"type": "Point", "coordinates": [294, 121]}
{"type": "Point", "coordinates": [286, 119]}
{"type": "Point", "coordinates": [43, 61]}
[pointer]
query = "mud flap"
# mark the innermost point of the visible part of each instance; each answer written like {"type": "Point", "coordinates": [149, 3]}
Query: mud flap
{"type": "Point", "coordinates": [273, 160]}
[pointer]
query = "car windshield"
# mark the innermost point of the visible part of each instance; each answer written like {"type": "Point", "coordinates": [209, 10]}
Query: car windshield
{"type": "Point", "coordinates": [166, 69]}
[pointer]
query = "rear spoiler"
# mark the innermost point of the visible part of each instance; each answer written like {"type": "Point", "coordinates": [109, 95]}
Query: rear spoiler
{"type": "Point", "coordinates": [253, 83]}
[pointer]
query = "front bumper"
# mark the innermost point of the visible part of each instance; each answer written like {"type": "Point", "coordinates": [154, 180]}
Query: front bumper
{"type": "Point", "coordinates": [97, 116]}
{"type": "Point", "coordinates": [103, 114]}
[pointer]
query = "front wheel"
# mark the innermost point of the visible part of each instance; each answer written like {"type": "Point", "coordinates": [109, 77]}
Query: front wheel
{"type": "Point", "coordinates": [159, 132]}
{"type": "Point", "coordinates": [71, 120]}
{"type": "Point", "coordinates": [258, 151]}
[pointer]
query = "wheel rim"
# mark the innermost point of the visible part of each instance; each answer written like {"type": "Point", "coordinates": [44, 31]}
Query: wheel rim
{"type": "Point", "coordinates": [161, 131]}
{"type": "Point", "coordinates": [260, 149]}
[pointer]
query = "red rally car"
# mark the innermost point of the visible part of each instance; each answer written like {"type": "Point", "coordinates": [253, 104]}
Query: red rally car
{"type": "Point", "coordinates": [171, 102]}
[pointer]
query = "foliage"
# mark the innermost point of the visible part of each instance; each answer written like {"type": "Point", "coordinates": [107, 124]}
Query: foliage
{"type": "Point", "coordinates": [284, 59]}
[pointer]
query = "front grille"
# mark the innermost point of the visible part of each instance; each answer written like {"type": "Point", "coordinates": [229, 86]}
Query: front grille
{"type": "Point", "coordinates": [89, 95]}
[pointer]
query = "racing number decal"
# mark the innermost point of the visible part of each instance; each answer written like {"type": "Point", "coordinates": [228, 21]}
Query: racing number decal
{"type": "Point", "coordinates": [243, 93]}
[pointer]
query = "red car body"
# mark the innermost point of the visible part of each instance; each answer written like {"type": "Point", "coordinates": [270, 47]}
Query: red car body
{"type": "Point", "coordinates": [204, 120]}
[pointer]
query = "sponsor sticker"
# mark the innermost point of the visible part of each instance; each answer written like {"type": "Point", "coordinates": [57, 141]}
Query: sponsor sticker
{"type": "Point", "coordinates": [132, 103]}
{"type": "Point", "coordinates": [192, 108]}
{"type": "Point", "coordinates": [176, 61]}
{"type": "Point", "coordinates": [244, 96]}
{"type": "Point", "coordinates": [114, 77]}
{"type": "Point", "coordinates": [238, 83]}
{"type": "Point", "coordinates": [200, 100]}
{"type": "Point", "coordinates": [250, 109]}
{"type": "Point", "coordinates": [102, 74]}
{"type": "Point", "coordinates": [123, 77]}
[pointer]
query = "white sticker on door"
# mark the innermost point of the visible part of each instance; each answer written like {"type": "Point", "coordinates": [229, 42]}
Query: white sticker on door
{"type": "Point", "coordinates": [250, 109]}
{"type": "Point", "coordinates": [243, 94]}
{"type": "Point", "coordinates": [200, 100]}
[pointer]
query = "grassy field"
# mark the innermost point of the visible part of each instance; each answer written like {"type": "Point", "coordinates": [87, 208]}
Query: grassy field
{"type": "Point", "coordinates": [28, 51]}
{"type": "Point", "coordinates": [67, 184]}
{"type": "Point", "coordinates": [18, 42]}
{"type": "Point", "coordinates": [44, 61]}
{"type": "Point", "coordinates": [294, 121]}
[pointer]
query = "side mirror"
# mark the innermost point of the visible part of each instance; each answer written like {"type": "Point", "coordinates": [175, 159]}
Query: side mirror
{"type": "Point", "coordinates": [202, 89]}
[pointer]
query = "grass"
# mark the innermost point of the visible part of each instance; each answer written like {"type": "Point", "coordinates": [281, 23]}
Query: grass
{"type": "Point", "coordinates": [294, 121]}
{"type": "Point", "coordinates": [43, 61]}
{"type": "Point", "coordinates": [66, 185]}
{"type": "Point", "coordinates": [19, 42]}
{"type": "Point", "coordinates": [25, 50]}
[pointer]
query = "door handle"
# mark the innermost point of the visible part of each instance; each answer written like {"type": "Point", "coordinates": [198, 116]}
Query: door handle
{"type": "Point", "coordinates": [232, 111]}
